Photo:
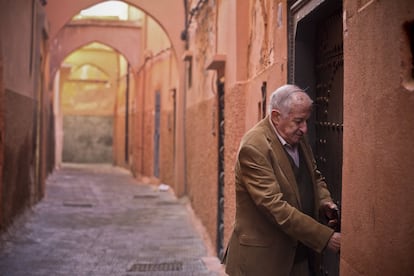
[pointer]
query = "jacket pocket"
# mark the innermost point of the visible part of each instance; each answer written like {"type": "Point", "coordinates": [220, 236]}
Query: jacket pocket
{"type": "Point", "coordinates": [254, 241]}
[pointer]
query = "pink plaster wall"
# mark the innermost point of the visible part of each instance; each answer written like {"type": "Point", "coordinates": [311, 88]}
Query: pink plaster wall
{"type": "Point", "coordinates": [235, 101]}
{"type": "Point", "coordinates": [202, 155]}
{"type": "Point", "coordinates": [17, 49]}
{"type": "Point", "coordinates": [159, 73]}
{"type": "Point", "coordinates": [201, 120]}
{"type": "Point", "coordinates": [119, 132]}
{"type": "Point", "coordinates": [164, 80]}
{"type": "Point", "coordinates": [261, 56]}
{"type": "Point", "coordinates": [26, 140]}
{"type": "Point", "coordinates": [252, 38]}
{"type": "Point", "coordinates": [378, 128]}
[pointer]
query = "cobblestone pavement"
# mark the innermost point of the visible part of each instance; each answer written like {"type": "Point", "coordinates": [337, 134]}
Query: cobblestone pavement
{"type": "Point", "coordinates": [98, 220]}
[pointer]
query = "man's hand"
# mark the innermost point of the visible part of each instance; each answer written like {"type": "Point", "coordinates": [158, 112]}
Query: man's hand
{"type": "Point", "coordinates": [334, 243]}
{"type": "Point", "coordinates": [330, 211]}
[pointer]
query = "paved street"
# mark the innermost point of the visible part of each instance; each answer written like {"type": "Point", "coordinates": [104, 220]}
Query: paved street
{"type": "Point", "coordinates": [98, 220]}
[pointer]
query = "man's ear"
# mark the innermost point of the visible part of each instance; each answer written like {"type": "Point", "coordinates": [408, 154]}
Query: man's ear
{"type": "Point", "coordinates": [275, 116]}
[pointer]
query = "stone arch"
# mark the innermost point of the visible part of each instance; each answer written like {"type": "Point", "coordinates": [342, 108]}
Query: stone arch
{"type": "Point", "coordinates": [111, 73]}
{"type": "Point", "coordinates": [120, 39]}
{"type": "Point", "coordinates": [171, 20]}
{"type": "Point", "coordinates": [98, 67]}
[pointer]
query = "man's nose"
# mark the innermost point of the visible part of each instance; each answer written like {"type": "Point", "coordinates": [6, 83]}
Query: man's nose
{"type": "Point", "coordinates": [303, 127]}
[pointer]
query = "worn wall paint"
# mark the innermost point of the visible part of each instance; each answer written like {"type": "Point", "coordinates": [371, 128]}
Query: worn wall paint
{"type": "Point", "coordinates": [202, 118]}
{"type": "Point", "coordinates": [159, 73]}
{"type": "Point", "coordinates": [245, 33]}
{"type": "Point", "coordinates": [87, 139]}
{"type": "Point", "coordinates": [19, 155]}
{"type": "Point", "coordinates": [88, 101]}
{"type": "Point", "coordinates": [26, 106]}
{"type": "Point", "coordinates": [18, 50]}
{"type": "Point", "coordinates": [261, 57]}
{"type": "Point", "coordinates": [261, 47]}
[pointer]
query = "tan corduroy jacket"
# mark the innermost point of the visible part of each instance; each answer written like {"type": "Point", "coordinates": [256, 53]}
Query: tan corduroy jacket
{"type": "Point", "coordinates": [268, 223]}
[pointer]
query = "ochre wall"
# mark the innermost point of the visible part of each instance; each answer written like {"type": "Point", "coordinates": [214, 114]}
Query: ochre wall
{"type": "Point", "coordinates": [378, 157]}
{"type": "Point", "coordinates": [157, 81]}
{"type": "Point", "coordinates": [165, 81]}
{"type": "Point", "coordinates": [87, 103]}
{"type": "Point", "coordinates": [260, 57]}
{"type": "Point", "coordinates": [202, 156]}
{"type": "Point", "coordinates": [201, 119]}
{"type": "Point", "coordinates": [252, 38]}
{"type": "Point", "coordinates": [159, 73]}
{"type": "Point", "coordinates": [119, 115]}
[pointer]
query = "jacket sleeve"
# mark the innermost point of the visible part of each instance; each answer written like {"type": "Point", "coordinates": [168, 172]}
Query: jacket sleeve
{"type": "Point", "coordinates": [269, 195]}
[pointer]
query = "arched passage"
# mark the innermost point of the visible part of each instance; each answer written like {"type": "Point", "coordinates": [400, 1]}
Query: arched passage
{"type": "Point", "coordinates": [172, 22]}
{"type": "Point", "coordinates": [144, 62]}
{"type": "Point", "coordinates": [124, 38]}
{"type": "Point", "coordinates": [91, 79]}
{"type": "Point", "coordinates": [60, 12]}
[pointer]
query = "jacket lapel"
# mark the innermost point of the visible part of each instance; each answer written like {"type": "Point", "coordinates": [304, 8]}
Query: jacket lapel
{"type": "Point", "coordinates": [283, 161]}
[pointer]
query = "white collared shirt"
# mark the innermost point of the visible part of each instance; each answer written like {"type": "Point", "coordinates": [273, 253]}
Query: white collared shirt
{"type": "Point", "coordinates": [291, 150]}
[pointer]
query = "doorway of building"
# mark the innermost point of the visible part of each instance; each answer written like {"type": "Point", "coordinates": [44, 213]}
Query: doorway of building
{"type": "Point", "coordinates": [316, 42]}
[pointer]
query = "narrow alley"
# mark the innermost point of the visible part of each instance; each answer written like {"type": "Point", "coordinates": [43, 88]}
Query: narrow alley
{"type": "Point", "coordinates": [98, 220]}
{"type": "Point", "coordinates": [164, 92]}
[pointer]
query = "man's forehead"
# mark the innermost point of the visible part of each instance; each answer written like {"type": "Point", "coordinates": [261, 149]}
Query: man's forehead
{"type": "Point", "coordinates": [303, 113]}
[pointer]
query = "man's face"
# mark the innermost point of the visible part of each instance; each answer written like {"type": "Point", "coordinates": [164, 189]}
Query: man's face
{"type": "Point", "coordinates": [293, 126]}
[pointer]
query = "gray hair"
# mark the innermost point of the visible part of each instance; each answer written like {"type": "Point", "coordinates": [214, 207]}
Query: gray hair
{"type": "Point", "coordinates": [283, 98]}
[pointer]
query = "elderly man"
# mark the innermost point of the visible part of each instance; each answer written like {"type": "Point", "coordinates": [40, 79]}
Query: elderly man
{"type": "Point", "coordinates": [279, 194]}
